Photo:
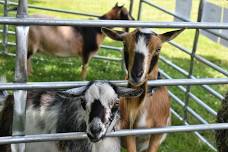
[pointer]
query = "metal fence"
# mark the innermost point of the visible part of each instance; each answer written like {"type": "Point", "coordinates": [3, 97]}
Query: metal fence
{"type": "Point", "coordinates": [20, 85]}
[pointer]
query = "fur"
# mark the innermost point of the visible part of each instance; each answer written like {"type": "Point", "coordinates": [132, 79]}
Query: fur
{"type": "Point", "coordinates": [69, 41]}
{"type": "Point", "coordinates": [54, 112]}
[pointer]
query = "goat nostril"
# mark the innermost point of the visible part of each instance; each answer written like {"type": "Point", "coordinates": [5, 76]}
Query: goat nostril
{"type": "Point", "coordinates": [95, 130]}
{"type": "Point", "coordinates": [139, 74]}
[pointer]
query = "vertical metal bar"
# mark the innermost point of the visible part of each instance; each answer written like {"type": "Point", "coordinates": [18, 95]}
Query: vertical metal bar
{"type": "Point", "coordinates": [20, 76]}
{"type": "Point", "coordinates": [5, 29]}
{"type": "Point", "coordinates": [140, 9]}
{"type": "Point", "coordinates": [131, 6]}
{"type": "Point", "coordinates": [194, 48]}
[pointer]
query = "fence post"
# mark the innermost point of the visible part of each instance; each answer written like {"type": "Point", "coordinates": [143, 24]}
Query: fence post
{"type": "Point", "coordinates": [5, 29]}
{"type": "Point", "coordinates": [194, 48]}
{"type": "Point", "coordinates": [20, 76]}
{"type": "Point", "coordinates": [139, 10]}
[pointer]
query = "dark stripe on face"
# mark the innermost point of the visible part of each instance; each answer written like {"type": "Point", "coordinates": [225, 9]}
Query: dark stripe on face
{"type": "Point", "coordinates": [97, 110]}
{"type": "Point", "coordinates": [153, 62]}
{"type": "Point", "coordinates": [137, 69]}
{"type": "Point", "coordinates": [147, 36]}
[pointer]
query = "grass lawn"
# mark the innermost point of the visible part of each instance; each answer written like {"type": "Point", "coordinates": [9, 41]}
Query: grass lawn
{"type": "Point", "coordinates": [48, 68]}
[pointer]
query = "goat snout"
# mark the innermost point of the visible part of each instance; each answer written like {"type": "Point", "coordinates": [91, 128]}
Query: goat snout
{"type": "Point", "coordinates": [136, 76]}
{"type": "Point", "coordinates": [95, 130]}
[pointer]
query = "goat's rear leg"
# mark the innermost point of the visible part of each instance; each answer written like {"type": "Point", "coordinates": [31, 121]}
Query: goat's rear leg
{"type": "Point", "coordinates": [85, 63]}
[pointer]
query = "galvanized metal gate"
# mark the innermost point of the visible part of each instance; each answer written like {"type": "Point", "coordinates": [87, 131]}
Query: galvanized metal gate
{"type": "Point", "coordinates": [20, 85]}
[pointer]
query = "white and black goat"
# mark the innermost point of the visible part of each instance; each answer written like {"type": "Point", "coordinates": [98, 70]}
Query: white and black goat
{"type": "Point", "coordinates": [69, 41]}
{"type": "Point", "coordinates": [87, 109]}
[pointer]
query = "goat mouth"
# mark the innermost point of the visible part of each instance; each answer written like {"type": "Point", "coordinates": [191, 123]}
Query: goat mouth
{"type": "Point", "coordinates": [136, 84]}
{"type": "Point", "coordinates": [93, 139]}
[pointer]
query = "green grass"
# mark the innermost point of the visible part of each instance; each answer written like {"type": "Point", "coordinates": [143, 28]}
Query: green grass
{"type": "Point", "coordinates": [48, 68]}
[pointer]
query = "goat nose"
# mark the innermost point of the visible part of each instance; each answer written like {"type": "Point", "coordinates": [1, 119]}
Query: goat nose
{"type": "Point", "coordinates": [95, 130]}
{"type": "Point", "coordinates": [139, 74]}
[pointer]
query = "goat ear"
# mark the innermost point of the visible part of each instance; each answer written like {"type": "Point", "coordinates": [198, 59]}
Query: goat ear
{"type": "Point", "coordinates": [116, 5]}
{"type": "Point", "coordinates": [129, 92]}
{"type": "Point", "coordinates": [170, 35]}
{"type": "Point", "coordinates": [75, 92]}
{"type": "Point", "coordinates": [114, 34]}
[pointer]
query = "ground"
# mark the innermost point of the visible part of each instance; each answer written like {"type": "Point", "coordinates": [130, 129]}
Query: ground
{"type": "Point", "coordinates": [47, 68]}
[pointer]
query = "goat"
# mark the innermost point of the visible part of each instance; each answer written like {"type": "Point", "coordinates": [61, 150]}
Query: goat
{"type": "Point", "coordinates": [87, 109]}
{"type": "Point", "coordinates": [151, 109]}
{"type": "Point", "coordinates": [68, 41]}
{"type": "Point", "coordinates": [222, 135]}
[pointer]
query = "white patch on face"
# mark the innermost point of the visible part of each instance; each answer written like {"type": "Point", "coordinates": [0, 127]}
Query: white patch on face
{"type": "Point", "coordinates": [102, 91]}
{"type": "Point", "coordinates": [146, 30]}
{"type": "Point", "coordinates": [141, 47]}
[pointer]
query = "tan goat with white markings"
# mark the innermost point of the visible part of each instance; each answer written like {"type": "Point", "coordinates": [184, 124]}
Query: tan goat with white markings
{"type": "Point", "coordinates": [152, 108]}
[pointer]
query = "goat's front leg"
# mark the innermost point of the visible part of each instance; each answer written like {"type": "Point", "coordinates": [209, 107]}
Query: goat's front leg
{"type": "Point", "coordinates": [155, 141]}
{"type": "Point", "coordinates": [131, 143]}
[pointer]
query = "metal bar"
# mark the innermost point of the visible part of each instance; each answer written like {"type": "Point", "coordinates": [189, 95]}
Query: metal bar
{"type": "Point", "coordinates": [206, 87]}
{"type": "Point", "coordinates": [196, 133]}
{"type": "Point", "coordinates": [125, 132]}
{"type": "Point", "coordinates": [5, 28]}
{"type": "Point", "coordinates": [107, 58]}
{"type": "Point", "coordinates": [54, 10]}
{"type": "Point", "coordinates": [112, 47]}
{"type": "Point", "coordinates": [201, 59]}
{"type": "Point", "coordinates": [190, 110]}
{"type": "Point", "coordinates": [194, 49]}
{"type": "Point", "coordinates": [20, 96]}
{"type": "Point", "coordinates": [111, 23]}
{"type": "Point", "coordinates": [176, 67]}
{"type": "Point", "coordinates": [139, 10]}
{"type": "Point", "coordinates": [9, 32]}
{"type": "Point", "coordinates": [72, 84]}
{"type": "Point", "coordinates": [181, 18]}
{"type": "Point", "coordinates": [131, 7]}
{"type": "Point", "coordinates": [195, 98]}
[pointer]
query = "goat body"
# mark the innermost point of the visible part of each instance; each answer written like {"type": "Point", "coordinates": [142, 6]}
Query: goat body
{"type": "Point", "coordinates": [150, 110]}
{"type": "Point", "coordinates": [89, 109]}
{"type": "Point", "coordinates": [47, 113]}
{"type": "Point", "coordinates": [69, 41]}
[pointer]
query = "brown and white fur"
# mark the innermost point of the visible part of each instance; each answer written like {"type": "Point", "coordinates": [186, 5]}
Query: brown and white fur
{"type": "Point", "coordinates": [87, 109]}
{"type": "Point", "coordinates": [69, 41]}
{"type": "Point", "coordinates": [150, 110]}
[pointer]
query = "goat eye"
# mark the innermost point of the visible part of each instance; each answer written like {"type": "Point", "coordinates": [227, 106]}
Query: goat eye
{"type": "Point", "coordinates": [117, 102]}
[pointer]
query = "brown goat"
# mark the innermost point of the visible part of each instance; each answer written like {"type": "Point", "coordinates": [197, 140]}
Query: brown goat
{"type": "Point", "coordinates": [152, 108]}
{"type": "Point", "coordinates": [68, 41]}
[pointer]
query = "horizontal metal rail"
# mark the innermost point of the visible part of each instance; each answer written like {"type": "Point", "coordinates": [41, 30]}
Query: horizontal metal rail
{"type": "Point", "coordinates": [112, 48]}
{"type": "Point", "coordinates": [71, 84]}
{"type": "Point", "coordinates": [189, 109]}
{"type": "Point", "coordinates": [53, 9]}
{"type": "Point", "coordinates": [195, 132]}
{"type": "Point", "coordinates": [125, 132]}
{"type": "Point", "coordinates": [182, 71]}
{"type": "Point", "coordinates": [9, 32]}
{"type": "Point", "coordinates": [111, 23]}
{"type": "Point", "coordinates": [107, 58]}
{"type": "Point", "coordinates": [195, 98]}
{"type": "Point", "coordinates": [201, 59]}
{"type": "Point", "coordinates": [182, 18]}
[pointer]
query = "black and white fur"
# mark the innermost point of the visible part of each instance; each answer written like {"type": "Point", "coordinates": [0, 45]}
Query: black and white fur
{"type": "Point", "coordinates": [87, 109]}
